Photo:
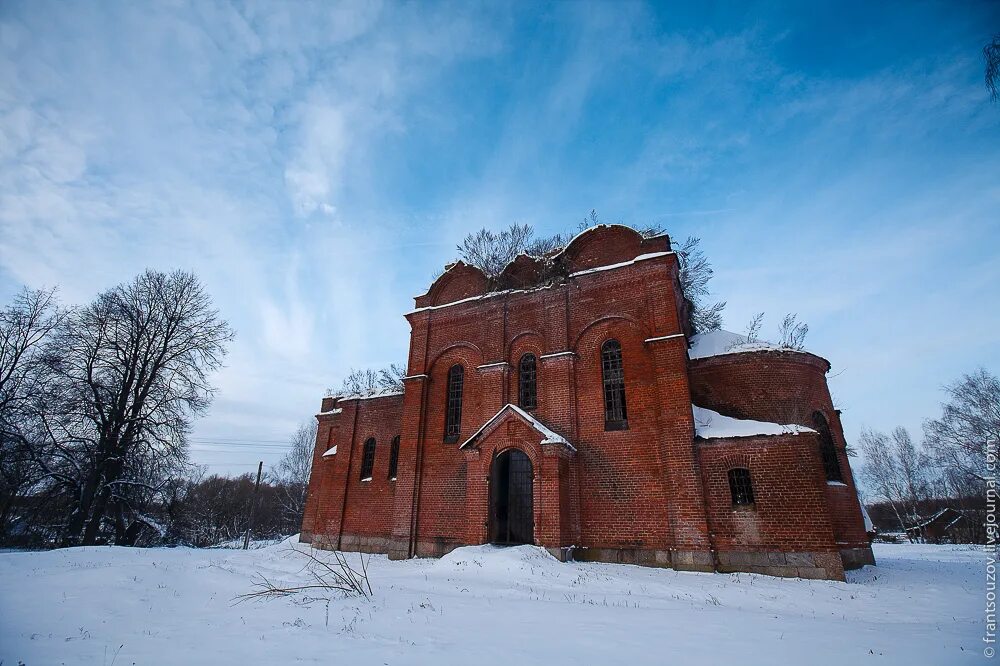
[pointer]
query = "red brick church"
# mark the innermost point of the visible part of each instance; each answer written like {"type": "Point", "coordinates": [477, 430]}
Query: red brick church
{"type": "Point", "coordinates": [567, 403]}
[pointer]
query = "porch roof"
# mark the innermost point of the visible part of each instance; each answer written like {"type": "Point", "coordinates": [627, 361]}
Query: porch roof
{"type": "Point", "coordinates": [549, 436]}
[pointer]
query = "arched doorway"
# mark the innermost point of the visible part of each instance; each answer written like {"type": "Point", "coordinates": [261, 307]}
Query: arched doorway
{"type": "Point", "coordinates": [512, 511]}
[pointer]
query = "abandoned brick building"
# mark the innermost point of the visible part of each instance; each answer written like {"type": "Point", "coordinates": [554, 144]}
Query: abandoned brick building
{"type": "Point", "coordinates": [567, 404]}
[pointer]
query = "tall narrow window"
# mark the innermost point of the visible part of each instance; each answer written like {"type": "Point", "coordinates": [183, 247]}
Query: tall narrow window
{"type": "Point", "coordinates": [393, 458]}
{"type": "Point", "coordinates": [827, 449]}
{"type": "Point", "coordinates": [453, 412]}
{"type": "Point", "coordinates": [615, 414]}
{"type": "Point", "coordinates": [368, 459]}
{"type": "Point", "coordinates": [527, 379]}
{"type": "Point", "coordinates": [740, 486]}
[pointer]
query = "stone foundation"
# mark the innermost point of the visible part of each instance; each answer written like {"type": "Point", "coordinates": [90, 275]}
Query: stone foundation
{"type": "Point", "coordinates": [855, 558]}
{"type": "Point", "coordinates": [822, 566]}
{"type": "Point", "coordinates": [683, 560]}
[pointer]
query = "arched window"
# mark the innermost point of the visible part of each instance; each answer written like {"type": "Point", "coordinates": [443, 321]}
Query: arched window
{"type": "Point", "coordinates": [827, 449]}
{"type": "Point", "coordinates": [393, 458]}
{"type": "Point", "coordinates": [527, 382]}
{"type": "Point", "coordinates": [615, 413]}
{"type": "Point", "coordinates": [368, 459]}
{"type": "Point", "coordinates": [740, 486]}
{"type": "Point", "coordinates": [453, 411]}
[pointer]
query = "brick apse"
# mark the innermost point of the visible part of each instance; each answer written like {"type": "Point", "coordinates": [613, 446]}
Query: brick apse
{"type": "Point", "coordinates": [553, 405]}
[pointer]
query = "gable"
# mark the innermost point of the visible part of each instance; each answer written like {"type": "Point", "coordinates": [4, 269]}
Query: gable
{"type": "Point", "coordinates": [508, 412]}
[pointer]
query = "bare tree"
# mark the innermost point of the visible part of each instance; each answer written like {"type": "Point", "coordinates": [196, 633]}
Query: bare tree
{"type": "Point", "coordinates": [359, 382]}
{"type": "Point", "coordinates": [390, 379]}
{"type": "Point", "coordinates": [879, 471]}
{"type": "Point", "coordinates": [370, 382]}
{"type": "Point", "coordinates": [695, 274]}
{"type": "Point", "coordinates": [131, 371]}
{"type": "Point", "coordinates": [291, 474]}
{"type": "Point", "coordinates": [792, 334]}
{"type": "Point", "coordinates": [753, 328]}
{"type": "Point", "coordinates": [897, 472]}
{"type": "Point", "coordinates": [492, 251]}
{"type": "Point", "coordinates": [707, 317]}
{"type": "Point", "coordinates": [969, 420]}
{"type": "Point", "coordinates": [991, 59]}
{"type": "Point", "coordinates": [25, 324]}
{"type": "Point", "coordinates": [546, 245]}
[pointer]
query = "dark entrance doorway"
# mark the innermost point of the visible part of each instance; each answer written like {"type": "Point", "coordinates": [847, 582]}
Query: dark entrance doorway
{"type": "Point", "coordinates": [512, 517]}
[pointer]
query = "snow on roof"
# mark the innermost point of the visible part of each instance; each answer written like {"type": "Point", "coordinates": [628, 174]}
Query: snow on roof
{"type": "Point", "coordinates": [941, 513]}
{"type": "Point", "coordinates": [489, 294]}
{"type": "Point", "coordinates": [332, 451]}
{"type": "Point", "coordinates": [713, 425]}
{"type": "Point", "coordinates": [549, 436]}
{"type": "Point", "coordinates": [718, 342]}
{"type": "Point", "coordinates": [641, 257]}
{"type": "Point", "coordinates": [595, 228]}
{"type": "Point", "coordinates": [869, 525]}
{"type": "Point", "coordinates": [358, 396]}
{"type": "Point", "coordinates": [335, 410]}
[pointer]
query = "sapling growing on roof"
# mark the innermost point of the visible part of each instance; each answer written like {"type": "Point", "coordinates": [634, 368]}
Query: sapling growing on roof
{"type": "Point", "coordinates": [792, 334]}
{"type": "Point", "coordinates": [491, 252]}
{"type": "Point", "coordinates": [366, 383]}
{"type": "Point", "coordinates": [753, 328]}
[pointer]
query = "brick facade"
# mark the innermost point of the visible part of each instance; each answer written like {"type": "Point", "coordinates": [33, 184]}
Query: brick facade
{"type": "Point", "coordinates": [649, 493]}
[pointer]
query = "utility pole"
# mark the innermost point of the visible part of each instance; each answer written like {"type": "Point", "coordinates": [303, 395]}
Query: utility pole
{"type": "Point", "coordinates": [253, 505]}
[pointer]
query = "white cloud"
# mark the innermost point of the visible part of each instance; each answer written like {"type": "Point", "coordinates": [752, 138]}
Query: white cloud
{"type": "Point", "coordinates": [186, 136]}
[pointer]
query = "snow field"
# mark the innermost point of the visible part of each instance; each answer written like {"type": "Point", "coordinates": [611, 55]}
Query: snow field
{"type": "Point", "coordinates": [483, 605]}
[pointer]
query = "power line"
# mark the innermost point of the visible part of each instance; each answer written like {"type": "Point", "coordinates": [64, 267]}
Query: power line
{"type": "Point", "coordinates": [267, 447]}
{"type": "Point", "coordinates": [237, 440]}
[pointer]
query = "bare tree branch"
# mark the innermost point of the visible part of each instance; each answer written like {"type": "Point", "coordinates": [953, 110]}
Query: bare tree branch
{"type": "Point", "coordinates": [991, 60]}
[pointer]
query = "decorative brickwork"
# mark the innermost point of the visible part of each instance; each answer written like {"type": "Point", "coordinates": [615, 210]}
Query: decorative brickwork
{"type": "Point", "coordinates": [644, 490]}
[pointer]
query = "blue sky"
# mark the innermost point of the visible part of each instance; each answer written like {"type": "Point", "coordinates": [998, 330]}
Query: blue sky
{"type": "Point", "coordinates": [315, 164]}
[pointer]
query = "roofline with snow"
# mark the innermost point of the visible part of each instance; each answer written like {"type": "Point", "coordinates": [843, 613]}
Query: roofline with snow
{"type": "Point", "coordinates": [742, 352]}
{"type": "Point", "coordinates": [571, 276]}
{"type": "Point", "coordinates": [549, 436]}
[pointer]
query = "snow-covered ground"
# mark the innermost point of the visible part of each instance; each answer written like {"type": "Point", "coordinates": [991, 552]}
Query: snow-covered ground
{"type": "Point", "coordinates": [484, 605]}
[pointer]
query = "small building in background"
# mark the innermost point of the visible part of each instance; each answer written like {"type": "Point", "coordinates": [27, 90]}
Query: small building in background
{"type": "Point", "coordinates": [946, 526]}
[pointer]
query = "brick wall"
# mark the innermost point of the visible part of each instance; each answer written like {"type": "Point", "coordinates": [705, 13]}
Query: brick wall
{"type": "Point", "coordinates": [780, 387]}
{"type": "Point", "coordinates": [649, 493]}
{"type": "Point", "coordinates": [789, 514]}
{"type": "Point", "coordinates": [341, 508]}
{"type": "Point", "coordinates": [783, 387]}
{"type": "Point", "coordinates": [625, 502]}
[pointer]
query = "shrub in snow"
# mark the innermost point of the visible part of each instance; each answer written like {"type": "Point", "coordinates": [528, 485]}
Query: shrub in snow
{"type": "Point", "coordinates": [326, 581]}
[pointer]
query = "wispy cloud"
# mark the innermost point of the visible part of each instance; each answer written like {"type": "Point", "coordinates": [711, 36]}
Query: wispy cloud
{"type": "Point", "coordinates": [316, 163]}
